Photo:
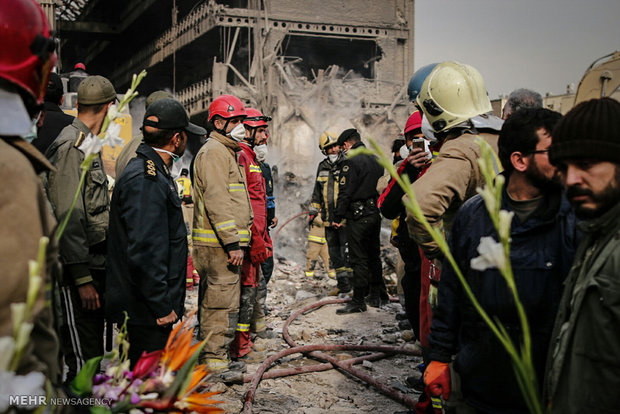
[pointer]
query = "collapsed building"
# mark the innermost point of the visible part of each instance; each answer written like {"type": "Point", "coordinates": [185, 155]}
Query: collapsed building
{"type": "Point", "coordinates": [312, 65]}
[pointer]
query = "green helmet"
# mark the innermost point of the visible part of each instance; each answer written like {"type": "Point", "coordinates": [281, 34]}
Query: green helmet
{"type": "Point", "coordinates": [452, 93]}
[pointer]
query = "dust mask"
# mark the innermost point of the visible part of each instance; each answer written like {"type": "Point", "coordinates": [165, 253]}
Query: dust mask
{"type": "Point", "coordinates": [32, 135]}
{"type": "Point", "coordinates": [238, 133]}
{"type": "Point", "coordinates": [174, 156]}
{"type": "Point", "coordinates": [261, 152]}
{"type": "Point", "coordinates": [404, 151]}
{"type": "Point", "coordinates": [333, 157]}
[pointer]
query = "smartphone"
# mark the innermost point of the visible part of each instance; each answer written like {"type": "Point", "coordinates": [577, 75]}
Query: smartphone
{"type": "Point", "coordinates": [417, 143]}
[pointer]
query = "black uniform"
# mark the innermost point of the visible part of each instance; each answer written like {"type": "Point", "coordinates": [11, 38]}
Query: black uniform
{"type": "Point", "coordinates": [54, 122]}
{"type": "Point", "coordinates": [357, 202]}
{"type": "Point", "coordinates": [147, 251]}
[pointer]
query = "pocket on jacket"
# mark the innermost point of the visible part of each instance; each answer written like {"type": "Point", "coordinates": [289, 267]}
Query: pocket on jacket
{"type": "Point", "coordinates": [96, 198]}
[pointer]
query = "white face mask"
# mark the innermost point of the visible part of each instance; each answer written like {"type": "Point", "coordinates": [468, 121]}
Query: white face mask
{"type": "Point", "coordinates": [404, 151]}
{"type": "Point", "coordinates": [238, 133]}
{"type": "Point", "coordinates": [174, 156]}
{"type": "Point", "coordinates": [333, 157]}
{"type": "Point", "coordinates": [261, 152]}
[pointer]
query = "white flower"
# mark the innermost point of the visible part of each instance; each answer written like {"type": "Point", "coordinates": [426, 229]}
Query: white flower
{"type": "Point", "coordinates": [112, 135]}
{"type": "Point", "coordinates": [489, 198]}
{"type": "Point", "coordinates": [11, 384]}
{"type": "Point", "coordinates": [505, 220]}
{"type": "Point", "coordinates": [7, 347]}
{"type": "Point", "coordinates": [18, 313]}
{"type": "Point", "coordinates": [112, 113]}
{"type": "Point", "coordinates": [491, 255]}
{"type": "Point", "coordinates": [23, 335]}
{"type": "Point", "coordinates": [91, 145]}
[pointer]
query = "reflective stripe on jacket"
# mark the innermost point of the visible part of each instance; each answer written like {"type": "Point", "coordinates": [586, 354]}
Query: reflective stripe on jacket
{"type": "Point", "coordinates": [222, 210]}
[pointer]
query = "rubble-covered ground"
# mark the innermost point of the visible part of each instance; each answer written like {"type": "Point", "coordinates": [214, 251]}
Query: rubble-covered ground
{"type": "Point", "coordinates": [328, 391]}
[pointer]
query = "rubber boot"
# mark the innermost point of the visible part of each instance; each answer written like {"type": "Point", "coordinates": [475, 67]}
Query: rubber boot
{"type": "Point", "coordinates": [357, 304]}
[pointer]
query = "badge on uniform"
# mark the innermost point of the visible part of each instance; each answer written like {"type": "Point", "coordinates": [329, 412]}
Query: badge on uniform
{"type": "Point", "coordinates": [345, 168]}
{"type": "Point", "coordinates": [150, 170]}
{"type": "Point", "coordinates": [343, 180]}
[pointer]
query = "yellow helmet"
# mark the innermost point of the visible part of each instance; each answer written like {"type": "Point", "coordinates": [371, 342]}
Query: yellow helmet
{"type": "Point", "coordinates": [327, 139]}
{"type": "Point", "coordinates": [452, 93]}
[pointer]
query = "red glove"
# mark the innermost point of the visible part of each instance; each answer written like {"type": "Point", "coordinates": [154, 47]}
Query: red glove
{"type": "Point", "coordinates": [258, 251]}
{"type": "Point", "coordinates": [437, 378]}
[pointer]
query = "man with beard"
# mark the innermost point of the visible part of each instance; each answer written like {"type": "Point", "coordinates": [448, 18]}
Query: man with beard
{"type": "Point", "coordinates": [543, 240]}
{"type": "Point", "coordinates": [583, 366]}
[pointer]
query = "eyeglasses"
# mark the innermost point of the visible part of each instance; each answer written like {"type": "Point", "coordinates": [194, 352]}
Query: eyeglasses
{"type": "Point", "coordinates": [542, 151]}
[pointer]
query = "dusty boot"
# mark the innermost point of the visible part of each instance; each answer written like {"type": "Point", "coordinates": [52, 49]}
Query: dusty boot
{"type": "Point", "coordinates": [253, 357]}
{"type": "Point", "coordinates": [344, 282]}
{"type": "Point", "coordinates": [356, 305]}
{"type": "Point", "coordinates": [331, 274]}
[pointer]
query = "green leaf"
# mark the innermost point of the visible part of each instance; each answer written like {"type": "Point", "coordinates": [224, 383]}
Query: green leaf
{"type": "Point", "coordinates": [99, 409]}
{"type": "Point", "coordinates": [82, 384]}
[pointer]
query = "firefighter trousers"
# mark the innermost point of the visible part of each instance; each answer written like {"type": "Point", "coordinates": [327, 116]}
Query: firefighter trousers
{"type": "Point", "coordinates": [219, 305]}
{"type": "Point", "coordinates": [242, 343]}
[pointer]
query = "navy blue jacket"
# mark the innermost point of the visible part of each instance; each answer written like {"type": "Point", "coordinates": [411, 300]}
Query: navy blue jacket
{"type": "Point", "coordinates": [542, 252]}
{"type": "Point", "coordinates": [147, 243]}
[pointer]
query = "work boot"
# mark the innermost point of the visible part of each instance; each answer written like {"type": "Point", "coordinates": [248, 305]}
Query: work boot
{"type": "Point", "coordinates": [404, 325]}
{"type": "Point", "coordinates": [344, 284]}
{"type": "Point", "coordinates": [253, 357]}
{"type": "Point", "coordinates": [351, 307]}
{"type": "Point", "coordinates": [266, 334]}
{"type": "Point", "coordinates": [375, 300]}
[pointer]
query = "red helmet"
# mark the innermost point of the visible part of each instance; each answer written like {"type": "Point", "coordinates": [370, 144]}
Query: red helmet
{"type": "Point", "coordinates": [79, 65]}
{"type": "Point", "coordinates": [226, 106]}
{"type": "Point", "coordinates": [414, 122]}
{"type": "Point", "coordinates": [27, 55]}
{"type": "Point", "coordinates": [255, 118]}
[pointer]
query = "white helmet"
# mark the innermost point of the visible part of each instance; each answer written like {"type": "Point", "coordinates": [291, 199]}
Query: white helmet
{"type": "Point", "coordinates": [452, 93]}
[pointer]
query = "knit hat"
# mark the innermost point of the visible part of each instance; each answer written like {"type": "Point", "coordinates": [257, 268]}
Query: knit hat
{"type": "Point", "coordinates": [589, 130]}
{"type": "Point", "coordinates": [95, 90]}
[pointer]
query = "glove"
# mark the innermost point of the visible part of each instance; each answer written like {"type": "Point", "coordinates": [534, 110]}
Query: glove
{"type": "Point", "coordinates": [437, 377]}
{"type": "Point", "coordinates": [258, 251]}
{"type": "Point", "coordinates": [311, 218]}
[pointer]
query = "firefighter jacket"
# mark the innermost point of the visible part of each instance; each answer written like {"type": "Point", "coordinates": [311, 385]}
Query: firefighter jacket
{"type": "Point", "coordinates": [147, 243]}
{"type": "Point", "coordinates": [451, 179]}
{"type": "Point", "coordinates": [222, 209]}
{"type": "Point", "coordinates": [317, 232]}
{"type": "Point", "coordinates": [83, 244]}
{"type": "Point", "coordinates": [541, 252]}
{"type": "Point", "coordinates": [358, 186]}
{"type": "Point", "coordinates": [326, 189]}
{"type": "Point", "coordinates": [256, 191]}
{"type": "Point", "coordinates": [26, 217]}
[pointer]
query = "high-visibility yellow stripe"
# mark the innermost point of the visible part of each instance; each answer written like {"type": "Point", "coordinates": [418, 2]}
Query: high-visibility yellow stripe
{"type": "Point", "coordinates": [244, 235]}
{"type": "Point", "coordinates": [217, 364]}
{"type": "Point", "coordinates": [259, 325]}
{"type": "Point", "coordinates": [255, 169]}
{"type": "Point", "coordinates": [342, 269]}
{"type": "Point", "coordinates": [206, 235]}
{"type": "Point", "coordinates": [315, 205]}
{"type": "Point", "coordinates": [243, 327]}
{"type": "Point", "coordinates": [228, 224]}
{"type": "Point", "coordinates": [309, 274]}
{"type": "Point", "coordinates": [321, 179]}
{"type": "Point", "coordinates": [232, 188]}
{"type": "Point", "coordinates": [317, 239]}
{"type": "Point", "coordinates": [332, 274]}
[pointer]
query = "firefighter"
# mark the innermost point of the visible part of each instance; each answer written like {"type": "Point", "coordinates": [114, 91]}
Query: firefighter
{"type": "Point", "coordinates": [25, 63]}
{"type": "Point", "coordinates": [317, 246]}
{"type": "Point", "coordinates": [260, 244]}
{"type": "Point", "coordinates": [221, 230]}
{"type": "Point", "coordinates": [323, 202]}
{"type": "Point", "coordinates": [185, 187]}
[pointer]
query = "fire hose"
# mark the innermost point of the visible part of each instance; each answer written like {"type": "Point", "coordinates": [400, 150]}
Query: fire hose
{"type": "Point", "coordinates": [303, 213]}
{"type": "Point", "coordinates": [314, 352]}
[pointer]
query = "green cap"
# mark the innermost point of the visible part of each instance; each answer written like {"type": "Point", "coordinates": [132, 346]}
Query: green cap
{"type": "Point", "coordinates": [156, 96]}
{"type": "Point", "coordinates": [95, 90]}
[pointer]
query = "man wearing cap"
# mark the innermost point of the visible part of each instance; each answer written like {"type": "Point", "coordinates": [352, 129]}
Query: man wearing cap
{"type": "Point", "coordinates": [357, 202]}
{"type": "Point", "coordinates": [129, 150]}
{"type": "Point", "coordinates": [83, 244]}
{"type": "Point", "coordinates": [147, 243]}
{"type": "Point", "coordinates": [583, 364]}
{"type": "Point", "coordinates": [54, 119]}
